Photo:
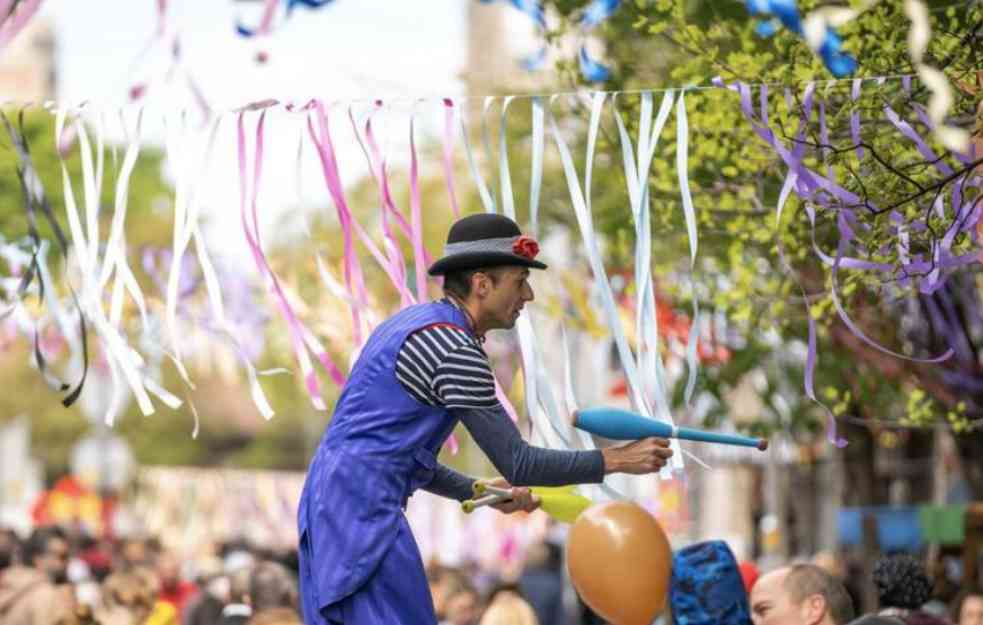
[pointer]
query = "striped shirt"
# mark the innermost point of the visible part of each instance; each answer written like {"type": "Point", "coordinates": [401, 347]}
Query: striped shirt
{"type": "Point", "coordinates": [444, 365]}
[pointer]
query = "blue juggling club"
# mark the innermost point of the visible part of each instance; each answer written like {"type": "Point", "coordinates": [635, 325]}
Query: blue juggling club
{"type": "Point", "coordinates": [623, 425]}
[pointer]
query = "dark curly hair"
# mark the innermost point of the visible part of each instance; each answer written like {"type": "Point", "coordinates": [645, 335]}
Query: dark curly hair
{"type": "Point", "coordinates": [901, 582]}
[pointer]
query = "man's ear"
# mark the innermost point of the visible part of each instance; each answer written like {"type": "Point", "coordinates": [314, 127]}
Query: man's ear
{"type": "Point", "coordinates": [814, 609]}
{"type": "Point", "coordinates": [480, 284]}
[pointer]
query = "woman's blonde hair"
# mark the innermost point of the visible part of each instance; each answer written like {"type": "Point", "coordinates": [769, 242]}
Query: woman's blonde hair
{"type": "Point", "coordinates": [509, 608]}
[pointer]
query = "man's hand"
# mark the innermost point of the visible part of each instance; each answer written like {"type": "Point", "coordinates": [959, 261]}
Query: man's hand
{"type": "Point", "coordinates": [647, 455]}
{"type": "Point", "coordinates": [522, 498]}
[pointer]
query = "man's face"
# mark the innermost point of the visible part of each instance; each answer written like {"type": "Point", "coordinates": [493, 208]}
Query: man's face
{"type": "Point", "coordinates": [971, 612]}
{"type": "Point", "coordinates": [502, 299]}
{"type": "Point", "coordinates": [54, 560]}
{"type": "Point", "coordinates": [771, 603]}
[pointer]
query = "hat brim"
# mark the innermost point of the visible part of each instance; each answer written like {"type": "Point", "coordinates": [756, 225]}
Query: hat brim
{"type": "Point", "coordinates": [477, 260]}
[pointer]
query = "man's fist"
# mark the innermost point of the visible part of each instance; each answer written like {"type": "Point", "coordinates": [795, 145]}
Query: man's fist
{"type": "Point", "coordinates": [522, 498]}
{"type": "Point", "coordinates": [647, 455]}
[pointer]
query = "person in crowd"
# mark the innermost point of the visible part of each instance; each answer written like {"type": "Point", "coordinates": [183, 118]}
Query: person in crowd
{"type": "Point", "coordinates": [903, 587]}
{"type": "Point", "coordinates": [128, 598]}
{"type": "Point", "coordinates": [541, 583]}
{"type": "Point", "coordinates": [272, 591]}
{"type": "Point", "coordinates": [237, 611]}
{"type": "Point", "coordinates": [35, 593]}
{"type": "Point", "coordinates": [801, 594]}
{"type": "Point", "coordinates": [173, 588]}
{"type": "Point", "coordinates": [8, 547]}
{"type": "Point", "coordinates": [967, 609]}
{"type": "Point", "coordinates": [133, 552]}
{"type": "Point", "coordinates": [508, 608]}
{"type": "Point", "coordinates": [463, 606]}
{"type": "Point", "coordinates": [443, 581]}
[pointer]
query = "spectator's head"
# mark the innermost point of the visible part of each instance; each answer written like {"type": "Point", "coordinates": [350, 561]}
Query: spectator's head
{"type": "Point", "coordinates": [47, 551]}
{"type": "Point", "coordinates": [8, 547]}
{"type": "Point", "coordinates": [443, 582]}
{"type": "Point", "coordinates": [802, 594]}
{"type": "Point", "coordinates": [462, 606]}
{"type": "Point", "coordinates": [508, 608]}
{"type": "Point", "coordinates": [133, 553]}
{"type": "Point", "coordinates": [271, 586]}
{"type": "Point", "coordinates": [901, 582]}
{"type": "Point", "coordinates": [967, 609]}
{"type": "Point", "coordinates": [168, 569]}
{"type": "Point", "coordinates": [131, 593]}
{"type": "Point", "coordinates": [239, 586]}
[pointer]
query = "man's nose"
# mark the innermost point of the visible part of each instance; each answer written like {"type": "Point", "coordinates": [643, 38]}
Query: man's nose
{"type": "Point", "coordinates": [529, 295]}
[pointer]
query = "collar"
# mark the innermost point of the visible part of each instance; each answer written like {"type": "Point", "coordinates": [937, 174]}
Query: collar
{"type": "Point", "coordinates": [456, 304]}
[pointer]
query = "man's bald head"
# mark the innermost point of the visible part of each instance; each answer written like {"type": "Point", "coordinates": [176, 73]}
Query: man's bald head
{"type": "Point", "coordinates": [802, 594]}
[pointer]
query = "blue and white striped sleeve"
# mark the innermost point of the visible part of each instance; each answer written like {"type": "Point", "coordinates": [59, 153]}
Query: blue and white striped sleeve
{"type": "Point", "coordinates": [444, 366]}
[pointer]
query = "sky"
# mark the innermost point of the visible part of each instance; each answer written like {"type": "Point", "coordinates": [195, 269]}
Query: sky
{"type": "Point", "coordinates": [348, 50]}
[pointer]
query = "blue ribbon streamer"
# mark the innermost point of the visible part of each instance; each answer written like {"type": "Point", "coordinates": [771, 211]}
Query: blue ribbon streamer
{"type": "Point", "coordinates": [595, 13]}
{"type": "Point", "coordinates": [591, 69]}
{"type": "Point", "coordinates": [245, 31]}
{"type": "Point", "coordinates": [787, 13]}
{"type": "Point", "coordinates": [533, 9]}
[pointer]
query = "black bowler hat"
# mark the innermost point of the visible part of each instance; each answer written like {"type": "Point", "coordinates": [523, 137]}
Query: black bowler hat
{"type": "Point", "coordinates": [486, 240]}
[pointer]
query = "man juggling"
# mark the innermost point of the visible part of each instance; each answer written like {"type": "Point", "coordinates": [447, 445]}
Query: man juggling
{"type": "Point", "coordinates": [421, 372]}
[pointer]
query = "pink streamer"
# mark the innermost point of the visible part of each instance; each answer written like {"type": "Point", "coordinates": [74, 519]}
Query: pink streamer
{"type": "Point", "coordinates": [377, 163]}
{"type": "Point", "coordinates": [16, 20]}
{"type": "Point", "coordinates": [353, 268]}
{"type": "Point", "coordinates": [418, 250]}
{"type": "Point", "coordinates": [297, 329]}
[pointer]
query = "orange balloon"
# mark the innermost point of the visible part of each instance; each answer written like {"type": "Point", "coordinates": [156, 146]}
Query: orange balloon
{"type": "Point", "coordinates": [620, 561]}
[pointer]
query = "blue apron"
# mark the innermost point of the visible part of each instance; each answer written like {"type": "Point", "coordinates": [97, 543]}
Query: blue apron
{"type": "Point", "coordinates": [359, 563]}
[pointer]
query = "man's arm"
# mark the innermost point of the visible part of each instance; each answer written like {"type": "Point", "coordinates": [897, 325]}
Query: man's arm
{"type": "Point", "coordinates": [520, 463]}
{"type": "Point", "coordinates": [449, 483]}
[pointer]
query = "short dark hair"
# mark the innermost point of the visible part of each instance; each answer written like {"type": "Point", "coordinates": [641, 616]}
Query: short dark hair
{"type": "Point", "coordinates": [901, 582]}
{"type": "Point", "coordinates": [459, 282]}
{"type": "Point", "coordinates": [37, 542]}
{"type": "Point", "coordinates": [9, 545]}
{"type": "Point", "coordinates": [805, 580]}
{"type": "Point", "coordinates": [957, 604]}
{"type": "Point", "coordinates": [271, 586]}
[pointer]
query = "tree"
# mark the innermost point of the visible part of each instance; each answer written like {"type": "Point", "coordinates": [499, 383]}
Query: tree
{"type": "Point", "coordinates": [736, 180]}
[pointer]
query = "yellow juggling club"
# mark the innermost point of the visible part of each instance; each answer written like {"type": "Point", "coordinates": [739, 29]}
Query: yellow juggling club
{"type": "Point", "coordinates": [563, 503]}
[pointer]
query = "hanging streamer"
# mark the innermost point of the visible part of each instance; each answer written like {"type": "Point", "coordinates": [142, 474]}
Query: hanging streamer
{"type": "Point", "coordinates": [534, 10]}
{"type": "Point", "coordinates": [447, 141]}
{"type": "Point", "coordinates": [536, 179]}
{"type": "Point", "coordinates": [35, 199]}
{"type": "Point", "coordinates": [595, 13]}
{"type": "Point", "coordinates": [581, 202]}
{"type": "Point", "coordinates": [299, 338]}
{"type": "Point", "coordinates": [940, 102]}
{"type": "Point", "coordinates": [123, 361]}
{"type": "Point", "coordinates": [16, 14]}
{"type": "Point", "coordinates": [265, 26]}
{"type": "Point", "coordinates": [682, 167]}
{"type": "Point", "coordinates": [354, 279]}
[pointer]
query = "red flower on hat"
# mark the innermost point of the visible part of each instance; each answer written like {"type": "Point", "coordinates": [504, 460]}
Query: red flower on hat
{"type": "Point", "coordinates": [526, 247]}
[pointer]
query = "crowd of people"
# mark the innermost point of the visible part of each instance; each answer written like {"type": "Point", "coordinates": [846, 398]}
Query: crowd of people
{"type": "Point", "coordinates": [56, 577]}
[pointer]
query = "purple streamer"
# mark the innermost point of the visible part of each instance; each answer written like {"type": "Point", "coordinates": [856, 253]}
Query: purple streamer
{"type": "Point", "coordinates": [855, 119]}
